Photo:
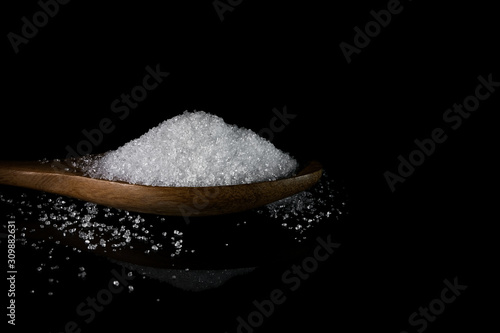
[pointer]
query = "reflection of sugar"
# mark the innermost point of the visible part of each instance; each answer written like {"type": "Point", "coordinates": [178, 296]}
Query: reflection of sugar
{"type": "Point", "coordinates": [186, 279]}
{"type": "Point", "coordinates": [193, 149]}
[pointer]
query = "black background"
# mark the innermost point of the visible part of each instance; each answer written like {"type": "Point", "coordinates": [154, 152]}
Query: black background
{"type": "Point", "coordinates": [397, 248]}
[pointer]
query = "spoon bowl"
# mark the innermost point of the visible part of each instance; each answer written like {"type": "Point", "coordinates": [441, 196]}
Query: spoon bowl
{"type": "Point", "coordinates": [64, 179]}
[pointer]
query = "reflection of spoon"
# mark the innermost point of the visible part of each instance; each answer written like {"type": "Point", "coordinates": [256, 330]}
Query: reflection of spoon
{"type": "Point", "coordinates": [188, 279]}
{"type": "Point", "coordinates": [180, 201]}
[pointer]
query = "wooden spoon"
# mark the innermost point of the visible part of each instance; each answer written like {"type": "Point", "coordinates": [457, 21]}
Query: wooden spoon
{"type": "Point", "coordinates": [62, 178]}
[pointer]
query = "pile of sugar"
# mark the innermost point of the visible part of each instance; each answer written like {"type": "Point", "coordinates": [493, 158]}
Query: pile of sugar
{"type": "Point", "coordinates": [194, 149]}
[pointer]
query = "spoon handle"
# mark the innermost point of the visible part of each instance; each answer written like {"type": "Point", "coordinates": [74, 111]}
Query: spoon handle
{"type": "Point", "coordinates": [36, 175]}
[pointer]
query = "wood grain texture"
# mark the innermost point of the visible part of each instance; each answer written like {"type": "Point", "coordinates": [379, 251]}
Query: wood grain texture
{"type": "Point", "coordinates": [56, 177]}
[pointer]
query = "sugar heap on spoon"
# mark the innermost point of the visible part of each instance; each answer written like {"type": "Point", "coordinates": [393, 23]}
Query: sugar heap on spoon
{"type": "Point", "coordinates": [194, 149]}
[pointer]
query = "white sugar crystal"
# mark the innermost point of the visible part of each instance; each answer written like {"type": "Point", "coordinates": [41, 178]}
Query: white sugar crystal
{"type": "Point", "coordinates": [194, 149]}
